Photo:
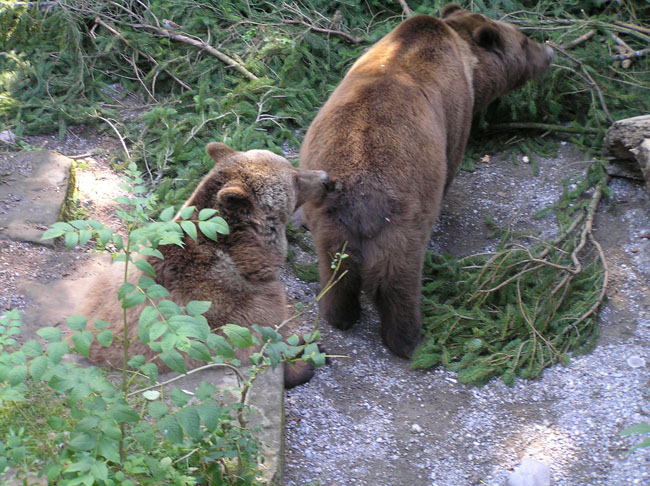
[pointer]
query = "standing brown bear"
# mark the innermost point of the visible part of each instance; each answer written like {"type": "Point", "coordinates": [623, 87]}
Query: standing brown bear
{"type": "Point", "coordinates": [391, 138]}
{"type": "Point", "coordinates": [256, 192]}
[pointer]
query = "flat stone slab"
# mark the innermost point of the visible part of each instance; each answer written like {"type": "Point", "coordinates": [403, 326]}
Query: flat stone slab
{"type": "Point", "coordinates": [33, 188]}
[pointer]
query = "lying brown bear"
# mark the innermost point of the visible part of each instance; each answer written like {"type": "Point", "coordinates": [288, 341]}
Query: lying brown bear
{"type": "Point", "coordinates": [255, 192]}
{"type": "Point", "coordinates": [391, 138]}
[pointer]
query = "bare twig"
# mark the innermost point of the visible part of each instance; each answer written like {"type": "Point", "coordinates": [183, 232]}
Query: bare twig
{"type": "Point", "coordinates": [633, 54]}
{"type": "Point", "coordinates": [580, 40]}
{"type": "Point", "coordinates": [407, 10]}
{"type": "Point", "coordinates": [352, 38]}
{"type": "Point", "coordinates": [543, 126]}
{"type": "Point", "coordinates": [201, 45]}
{"type": "Point", "coordinates": [115, 32]}
{"type": "Point", "coordinates": [119, 135]}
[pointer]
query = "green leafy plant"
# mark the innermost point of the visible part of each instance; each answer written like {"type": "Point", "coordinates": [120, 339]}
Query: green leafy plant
{"type": "Point", "coordinates": [642, 429]}
{"type": "Point", "coordinates": [127, 429]}
{"type": "Point", "coordinates": [525, 306]}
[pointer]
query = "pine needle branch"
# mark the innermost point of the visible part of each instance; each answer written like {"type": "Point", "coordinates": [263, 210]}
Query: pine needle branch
{"type": "Point", "coordinates": [199, 44]}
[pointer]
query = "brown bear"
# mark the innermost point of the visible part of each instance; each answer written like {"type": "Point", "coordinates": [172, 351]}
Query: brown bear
{"type": "Point", "coordinates": [391, 137]}
{"type": "Point", "coordinates": [256, 192]}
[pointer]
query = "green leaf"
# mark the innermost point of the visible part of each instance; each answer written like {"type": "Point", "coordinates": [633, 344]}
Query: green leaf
{"type": "Point", "coordinates": [209, 229]}
{"type": "Point", "coordinates": [190, 228]}
{"type": "Point", "coordinates": [105, 235]}
{"type": "Point", "coordinates": [179, 397]}
{"type": "Point", "coordinates": [151, 395]}
{"type": "Point", "coordinates": [174, 360]}
{"type": "Point", "coordinates": [199, 351]}
{"type": "Point", "coordinates": [157, 292]}
{"type": "Point", "coordinates": [148, 316]}
{"type": "Point", "coordinates": [170, 429]}
{"type": "Point", "coordinates": [32, 348]}
{"type": "Point", "coordinates": [205, 390]}
{"type": "Point", "coordinates": [49, 334]}
{"type": "Point", "coordinates": [105, 338]}
{"type": "Point", "coordinates": [239, 336]}
{"type": "Point", "coordinates": [641, 428]}
{"type": "Point", "coordinates": [17, 375]}
{"type": "Point", "coordinates": [133, 299]}
{"type": "Point", "coordinates": [82, 342]}
{"type": "Point", "coordinates": [122, 413]}
{"type": "Point", "coordinates": [207, 213]}
{"type": "Point", "coordinates": [220, 346]}
{"type": "Point", "coordinates": [198, 307]}
{"type": "Point", "coordinates": [52, 233]}
{"type": "Point", "coordinates": [186, 212]}
{"type": "Point", "coordinates": [144, 266]}
{"type": "Point", "coordinates": [125, 289]}
{"type": "Point", "coordinates": [38, 367]}
{"type": "Point", "coordinates": [85, 236]}
{"type": "Point", "coordinates": [99, 471]}
{"type": "Point", "coordinates": [77, 322]}
{"type": "Point", "coordinates": [109, 449]}
{"type": "Point", "coordinates": [99, 324]}
{"type": "Point", "coordinates": [209, 412]}
{"type": "Point", "coordinates": [145, 436]}
{"type": "Point", "coordinates": [56, 351]}
{"type": "Point", "coordinates": [188, 418]}
{"type": "Point", "coordinates": [71, 240]}
{"type": "Point", "coordinates": [83, 442]}
{"type": "Point", "coordinates": [157, 409]}
{"type": "Point", "coordinates": [222, 226]}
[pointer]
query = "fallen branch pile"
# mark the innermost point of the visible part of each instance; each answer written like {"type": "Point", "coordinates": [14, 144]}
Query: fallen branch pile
{"type": "Point", "coordinates": [519, 309]}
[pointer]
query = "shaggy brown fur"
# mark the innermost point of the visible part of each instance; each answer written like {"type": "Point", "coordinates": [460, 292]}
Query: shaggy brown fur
{"type": "Point", "coordinates": [255, 192]}
{"type": "Point", "coordinates": [391, 138]}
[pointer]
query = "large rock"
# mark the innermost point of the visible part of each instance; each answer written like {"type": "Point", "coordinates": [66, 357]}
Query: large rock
{"type": "Point", "coordinates": [33, 190]}
{"type": "Point", "coordinates": [627, 146]}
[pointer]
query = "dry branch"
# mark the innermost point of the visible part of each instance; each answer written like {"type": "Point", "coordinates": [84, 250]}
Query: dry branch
{"type": "Point", "coordinates": [543, 126]}
{"type": "Point", "coordinates": [201, 45]}
{"type": "Point", "coordinates": [352, 38]}
{"type": "Point", "coordinates": [116, 33]}
{"type": "Point", "coordinates": [580, 40]}
{"type": "Point", "coordinates": [407, 10]}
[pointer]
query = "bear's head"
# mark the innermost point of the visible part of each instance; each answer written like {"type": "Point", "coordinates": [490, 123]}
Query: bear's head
{"type": "Point", "coordinates": [506, 58]}
{"type": "Point", "coordinates": [256, 190]}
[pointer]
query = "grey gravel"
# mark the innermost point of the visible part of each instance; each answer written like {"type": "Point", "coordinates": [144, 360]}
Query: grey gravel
{"type": "Point", "coordinates": [367, 419]}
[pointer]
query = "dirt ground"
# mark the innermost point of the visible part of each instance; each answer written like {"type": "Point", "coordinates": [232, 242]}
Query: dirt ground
{"type": "Point", "coordinates": [367, 419]}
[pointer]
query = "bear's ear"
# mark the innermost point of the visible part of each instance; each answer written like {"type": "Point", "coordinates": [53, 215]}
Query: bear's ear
{"type": "Point", "coordinates": [218, 151]}
{"type": "Point", "coordinates": [234, 198]}
{"type": "Point", "coordinates": [487, 37]}
{"type": "Point", "coordinates": [449, 9]}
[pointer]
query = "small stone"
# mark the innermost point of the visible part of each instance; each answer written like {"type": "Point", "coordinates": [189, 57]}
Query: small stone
{"type": "Point", "coordinates": [635, 362]}
{"type": "Point", "coordinates": [7, 136]}
{"type": "Point", "coordinates": [416, 429]}
{"type": "Point", "coordinates": [530, 473]}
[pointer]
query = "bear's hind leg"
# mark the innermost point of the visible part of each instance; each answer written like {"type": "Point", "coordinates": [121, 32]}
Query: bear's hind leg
{"type": "Point", "coordinates": [398, 301]}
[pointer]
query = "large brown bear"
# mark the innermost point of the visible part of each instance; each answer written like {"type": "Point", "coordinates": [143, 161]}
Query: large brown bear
{"type": "Point", "coordinates": [255, 192]}
{"type": "Point", "coordinates": [391, 138]}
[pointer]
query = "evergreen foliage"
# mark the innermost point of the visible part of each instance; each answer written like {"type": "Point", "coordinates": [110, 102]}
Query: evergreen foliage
{"type": "Point", "coordinates": [519, 309]}
{"type": "Point", "coordinates": [91, 61]}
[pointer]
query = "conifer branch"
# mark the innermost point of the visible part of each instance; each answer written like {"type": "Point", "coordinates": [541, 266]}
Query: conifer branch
{"type": "Point", "coordinates": [352, 38]}
{"type": "Point", "coordinates": [199, 44]}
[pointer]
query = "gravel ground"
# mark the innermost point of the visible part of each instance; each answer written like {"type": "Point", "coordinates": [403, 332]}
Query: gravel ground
{"type": "Point", "coordinates": [367, 419]}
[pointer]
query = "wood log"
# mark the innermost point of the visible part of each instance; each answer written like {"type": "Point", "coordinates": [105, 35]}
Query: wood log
{"type": "Point", "coordinates": [627, 147]}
